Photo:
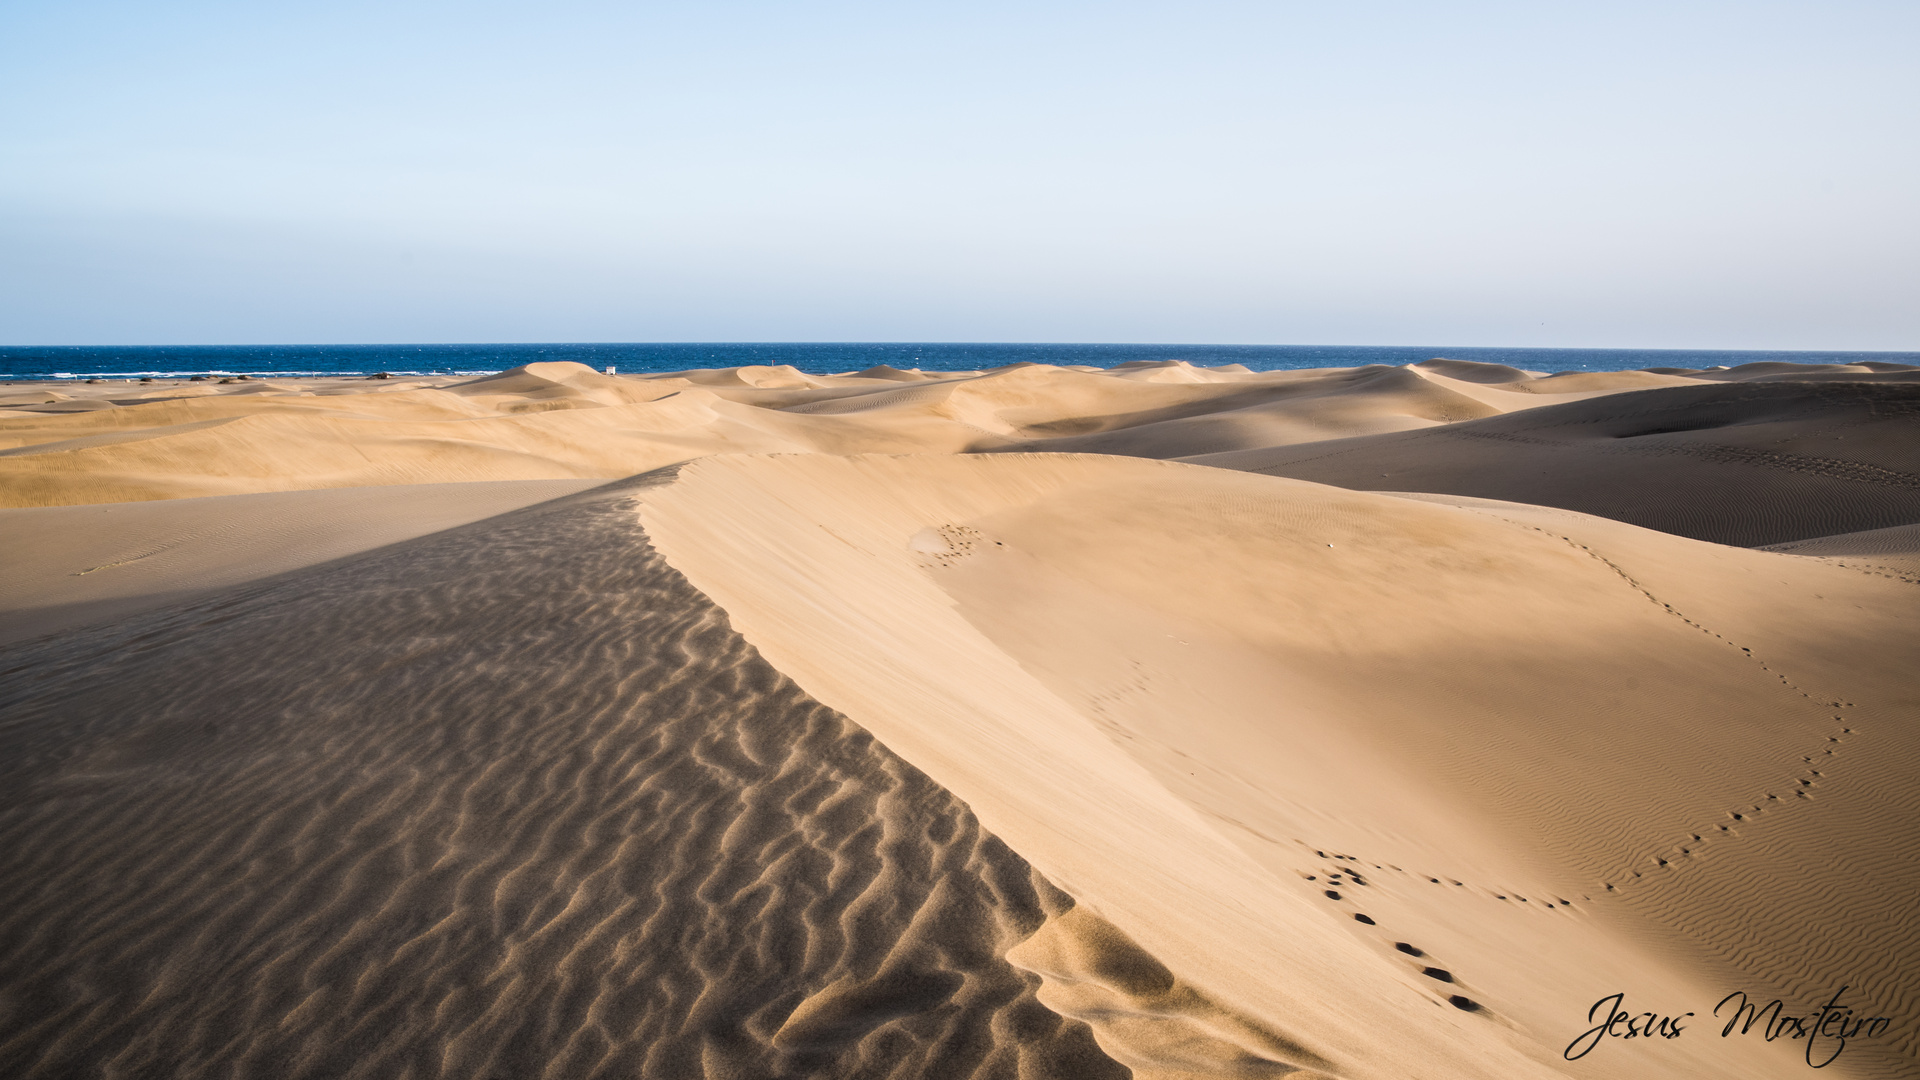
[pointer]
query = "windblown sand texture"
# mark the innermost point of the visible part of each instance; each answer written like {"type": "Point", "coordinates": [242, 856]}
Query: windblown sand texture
{"type": "Point", "coordinates": [510, 801]}
{"type": "Point", "coordinates": [1169, 722]}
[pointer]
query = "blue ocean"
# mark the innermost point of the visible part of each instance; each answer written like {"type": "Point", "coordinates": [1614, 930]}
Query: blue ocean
{"type": "Point", "coordinates": [174, 361]}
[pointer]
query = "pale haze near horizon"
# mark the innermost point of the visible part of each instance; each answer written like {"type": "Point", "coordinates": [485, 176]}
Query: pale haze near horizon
{"type": "Point", "coordinates": [1631, 175]}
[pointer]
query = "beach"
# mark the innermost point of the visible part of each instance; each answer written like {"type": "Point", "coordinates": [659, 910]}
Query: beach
{"type": "Point", "coordinates": [1163, 720]}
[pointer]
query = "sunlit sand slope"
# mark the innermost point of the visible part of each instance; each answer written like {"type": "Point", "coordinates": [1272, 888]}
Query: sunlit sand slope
{"type": "Point", "coordinates": [1335, 759]}
{"type": "Point", "coordinates": [509, 801]}
{"type": "Point", "coordinates": [1753, 463]}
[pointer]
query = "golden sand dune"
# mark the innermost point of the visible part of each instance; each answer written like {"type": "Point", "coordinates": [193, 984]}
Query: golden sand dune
{"type": "Point", "coordinates": [72, 444]}
{"type": "Point", "coordinates": [868, 731]}
{"type": "Point", "coordinates": [1560, 755]}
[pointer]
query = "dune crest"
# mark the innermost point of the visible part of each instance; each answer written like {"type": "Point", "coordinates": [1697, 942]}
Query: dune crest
{"type": "Point", "coordinates": [511, 800]}
{"type": "Point", "coordinates": [1231, 715]}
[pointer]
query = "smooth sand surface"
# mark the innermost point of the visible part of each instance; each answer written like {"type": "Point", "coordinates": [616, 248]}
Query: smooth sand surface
{"type": "Point", "coordinates": [923, 724]}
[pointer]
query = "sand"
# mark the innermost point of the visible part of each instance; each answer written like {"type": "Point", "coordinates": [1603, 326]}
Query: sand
{"type": "Point", "coordinates": [1750, 464]}
{"type": "Point", "coordinates": [67, 444]}
{"type": "Point", "coordinates": [71, 566]}
{"type": "Point", "coordinates": [1038, 722]}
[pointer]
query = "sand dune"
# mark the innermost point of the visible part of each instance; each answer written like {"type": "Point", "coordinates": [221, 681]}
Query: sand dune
{"type": "Point", "coordinates": [1895, 548]}
{"type": "Point", "coordinates": [508, 801]}
{"type": "Point", "coordinates": [69, 444]}
{"type": "Point", "coordinates": [70, 566]}
{"type": "Point", "coordinates": [907, 724]}
{"type": "Point", "coordinates": [1547, 743]}
{"type": "Point", "coordinates": [1750, 463]}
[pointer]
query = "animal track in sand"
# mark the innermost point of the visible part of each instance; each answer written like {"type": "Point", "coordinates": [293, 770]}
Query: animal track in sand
{"type": "Point", "coordinates": [1325, 877]}
{"type": "Point", "coordinates": [944, 545]}
{"type": "Point", "coordinates": [1803, 782]}
{"type": "Point", "coordinates": [1876, 570]}
{"type": "Point", "coordinates": [1437, 974]}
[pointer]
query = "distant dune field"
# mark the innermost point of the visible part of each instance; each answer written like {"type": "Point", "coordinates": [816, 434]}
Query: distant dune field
{"type": "Point", "coordinates": [1165, 721]}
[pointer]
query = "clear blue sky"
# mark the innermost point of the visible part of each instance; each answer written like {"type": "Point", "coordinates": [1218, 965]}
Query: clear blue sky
{"type": "Point", "coordinates": [1741, 175]}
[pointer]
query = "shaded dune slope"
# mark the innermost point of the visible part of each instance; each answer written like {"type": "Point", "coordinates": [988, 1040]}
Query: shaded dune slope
{"type": "Point", "coordinates": [1749, 463]}
{"type": "Point", "coordinates": [508, 801]}
{"type": "Point", "coordinates": [1894, 550]}
{"type": "Point", "coordinates": [1306, 408]}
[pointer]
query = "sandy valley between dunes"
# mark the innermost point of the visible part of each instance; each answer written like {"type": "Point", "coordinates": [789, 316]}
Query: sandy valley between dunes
{"type": "Point", "coordinates": [1164, 721]}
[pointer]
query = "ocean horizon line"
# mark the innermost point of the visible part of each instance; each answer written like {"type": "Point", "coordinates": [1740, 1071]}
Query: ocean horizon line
{"type": "Point", "coordinates": [63, 362]}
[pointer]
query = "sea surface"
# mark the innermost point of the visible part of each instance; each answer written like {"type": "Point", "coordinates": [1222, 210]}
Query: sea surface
{"type": "Point", "coordinates": [173, 361]}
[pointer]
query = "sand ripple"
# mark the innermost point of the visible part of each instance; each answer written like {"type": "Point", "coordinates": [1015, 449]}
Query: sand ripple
{"type": "Point", "coordinates": [510, 801]}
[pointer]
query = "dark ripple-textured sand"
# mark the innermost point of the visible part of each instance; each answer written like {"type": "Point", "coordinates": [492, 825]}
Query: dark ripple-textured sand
{"type": "Point", "coordinates": [1747, 464]}
{"type": "Point", "coordinates": [509, 801]}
